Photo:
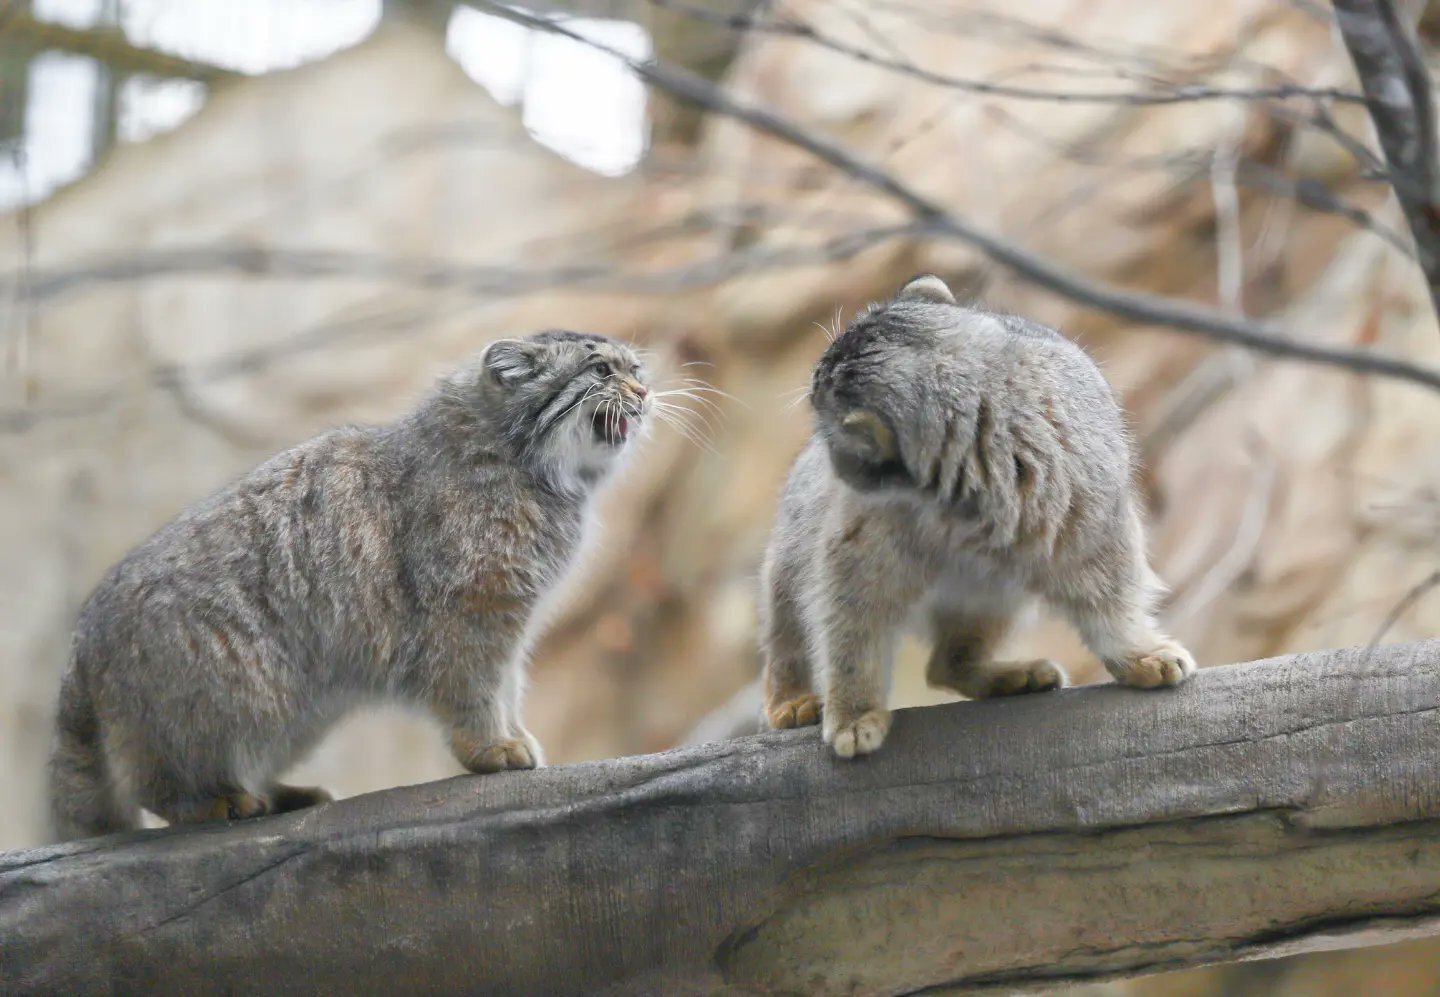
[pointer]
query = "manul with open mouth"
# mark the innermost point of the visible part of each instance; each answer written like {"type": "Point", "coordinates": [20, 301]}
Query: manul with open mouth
{"type": "Point", "coordinates": [611, 426]}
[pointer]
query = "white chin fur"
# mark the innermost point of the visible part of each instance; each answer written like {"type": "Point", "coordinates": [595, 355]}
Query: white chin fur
{"type": "Point", "coordinates": [577, 452]}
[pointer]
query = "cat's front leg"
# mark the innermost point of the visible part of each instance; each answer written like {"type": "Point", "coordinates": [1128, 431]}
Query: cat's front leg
{"type": "Point", "coordinates": [865, 602]}
{"type": "Point", "coordinates": [512, 694]}
{"type": "Point", "coordinates": [482, 746]}
{"type": "Point", "coordinates": [475, 711]}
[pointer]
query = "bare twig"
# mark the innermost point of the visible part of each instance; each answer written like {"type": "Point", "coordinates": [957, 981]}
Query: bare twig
{"type": "Point", "coordinates": [1392, 71]}
{"type": "Point", "coordinates": [1403, 606]}
{"type": "Point", "coordinates": [492, 283]}
{"type": "Point", "coordinates": [107, 44]}
{"type": "Point", "coordinates": [1138, 306]}
{"type": "Point", "coordinates": [253, 260]}
{"type": "Point", "coordinates": [1239, 553]}
{"type": "Point", "coordinates": [1180, 93]}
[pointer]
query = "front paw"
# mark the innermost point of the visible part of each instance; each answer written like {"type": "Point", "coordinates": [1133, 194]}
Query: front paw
{"type": "Point", "coordinates": [802, 711]}
{"type": "Point", "coordinates": [531, 743]}
{"type": "Point", "coordinates": [859, 735]}
{"type": "Point", "coordinates": [504, 755]}
{"type": "Point", "coordinates": [1166, 664]}
{"type": "Point", "coordinates": [1013, 679]}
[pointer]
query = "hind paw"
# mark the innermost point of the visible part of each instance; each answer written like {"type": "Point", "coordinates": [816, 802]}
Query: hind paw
{"type": "Point", "coordinates": [238, 806]}
{"type": "Point", "coordinates": [284, 799]}
{"type": "Point", "coordinates": [802, 711]}
{"type": "Point", "coordinates": [1013, 679]}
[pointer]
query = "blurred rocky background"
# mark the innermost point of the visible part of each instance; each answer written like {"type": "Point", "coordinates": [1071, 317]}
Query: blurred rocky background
{"type": "Point", "coordinates": [229, 224]}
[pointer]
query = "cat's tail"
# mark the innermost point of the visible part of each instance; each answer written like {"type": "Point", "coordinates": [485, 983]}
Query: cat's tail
{"type": "Point", "coordinates": [83, 800]}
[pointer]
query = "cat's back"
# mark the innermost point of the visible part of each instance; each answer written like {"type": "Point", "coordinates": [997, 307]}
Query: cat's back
{"type": "Point", "coordinates": [284, 514]}
{"type": "Point", "coordinates": [1014, 361]}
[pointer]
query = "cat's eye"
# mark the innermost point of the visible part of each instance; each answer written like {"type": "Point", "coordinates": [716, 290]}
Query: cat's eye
{"type": "Point", "coordinates": [603, 369]}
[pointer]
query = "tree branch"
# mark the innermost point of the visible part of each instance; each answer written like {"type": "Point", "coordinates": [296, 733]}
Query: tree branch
{"type": "Point", "coordinates": [105, 43]}
{"type": "Point", "coordinates": [1138, 306]}
{"type": "Point", "coordinates": [1398, 94]}
{"type": "Point", "coordinates": [1177, 93]}
{"type": "Point", "coordinates": [1260, 809]}
{"type": "Point", "coordinates": [491, 283]}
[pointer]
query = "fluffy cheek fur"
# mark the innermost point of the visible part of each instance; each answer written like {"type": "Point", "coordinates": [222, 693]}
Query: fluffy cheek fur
{"type": "Point", "coordinates": [577, 448]}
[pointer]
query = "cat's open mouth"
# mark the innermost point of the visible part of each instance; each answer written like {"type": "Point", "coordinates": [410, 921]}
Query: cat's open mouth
{"type": "Point", "coordinates": [611, 426]}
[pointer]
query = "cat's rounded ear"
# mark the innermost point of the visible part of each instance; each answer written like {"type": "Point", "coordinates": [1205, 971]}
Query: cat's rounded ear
{"type": "Point", "coordinates": [926, 287]}
{"type": "Point", "coordinates": [510, 361]}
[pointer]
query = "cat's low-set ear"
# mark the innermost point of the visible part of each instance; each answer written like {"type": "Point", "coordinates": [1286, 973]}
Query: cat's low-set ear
{"type": "Point", "coordinates": [926, 287]}
{"type": "Point", "coordinates": [510, 361]}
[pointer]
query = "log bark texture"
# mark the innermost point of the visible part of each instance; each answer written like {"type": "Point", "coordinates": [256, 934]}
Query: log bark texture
{"type": "Point", "coordinates": [1261, 809]}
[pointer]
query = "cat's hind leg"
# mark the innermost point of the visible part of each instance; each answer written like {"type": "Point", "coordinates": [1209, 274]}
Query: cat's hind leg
{"type": "Point", "coordinates": [284, 799]}
{"type": "Point", "coordinates": [963, 659]}
{"type": "Point", "coordinates": [232, 804]}
{"type": "Point", "coordinates": [788, 691]}
{"type": "Point", "coordinates": [1111, 599]}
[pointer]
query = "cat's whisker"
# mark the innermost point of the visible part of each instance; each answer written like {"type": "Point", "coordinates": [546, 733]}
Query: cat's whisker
{"type": "Point", "coordinates": [685, 414]}
{"type": "Point", "coordinates": [701, 392]}
{"type": "Point", "coordinates": [686, 431]}
{"type": "Point", "coordinates": [687, 393]}
{"type": "Point", "coordinates": [695, 394]}
{"type": "Point", "coordinates": [800, 398]}
{"type": "Point", "coordinates": [701, 413]}
{"type": "Point", "coordinates": [579, 401]}
{"type": "Point", "coordinates": [697, 384]}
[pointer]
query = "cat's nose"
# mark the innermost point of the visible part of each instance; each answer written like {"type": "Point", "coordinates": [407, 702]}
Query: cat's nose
{"type": "Point", "coordinates": [638, 389]}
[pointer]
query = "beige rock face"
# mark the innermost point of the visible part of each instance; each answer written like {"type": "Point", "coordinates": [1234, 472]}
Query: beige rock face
{"type": "Point", "coordinates": [1292, 506]}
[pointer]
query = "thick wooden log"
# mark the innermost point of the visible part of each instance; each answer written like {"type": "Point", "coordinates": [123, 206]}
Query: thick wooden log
{"type": "Point", "coordinates": [1262, 808]}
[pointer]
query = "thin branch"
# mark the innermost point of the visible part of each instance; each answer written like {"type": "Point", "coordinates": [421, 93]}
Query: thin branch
{"type": "Point", "coordinates": [107, 44]}
{"type": "Point", "coordinates": [1239, 554]}
{"type": "Point", "coordinates": [1398, 94]}
{"type": "Point", "coordinates": [1403, 606]}
{"type": "Point", "coordinates": [1176, 94]}
{"type": "Point", "coordinates": [492, 283]}
{"type": "Point", "coordinates": [1191, 163]}
{"type": "Point", "coordinates": [1138, 306]}
{"type": "Point", "coordinates": [485, 281]}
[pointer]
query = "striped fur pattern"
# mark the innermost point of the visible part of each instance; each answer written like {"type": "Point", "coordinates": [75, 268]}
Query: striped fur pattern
{"type": "Point", "coordinates": [965, 465]}
{"type": "Point", "coordinates": [408, 561]}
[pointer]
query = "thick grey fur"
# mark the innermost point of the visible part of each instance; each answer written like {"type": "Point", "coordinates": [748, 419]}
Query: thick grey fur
{"type": "Point", "coordinates": [397, 562]}
{"type": "Point", "coordinates": [964, 464]}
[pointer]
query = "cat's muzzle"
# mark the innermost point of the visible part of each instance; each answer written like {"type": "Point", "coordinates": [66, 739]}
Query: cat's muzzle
{"type": "Point", "coordinates": [613, 425]}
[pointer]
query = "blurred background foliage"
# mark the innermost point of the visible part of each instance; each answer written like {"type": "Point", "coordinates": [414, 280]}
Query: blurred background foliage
{"type": "Point", "coordinates": [229, 224]}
